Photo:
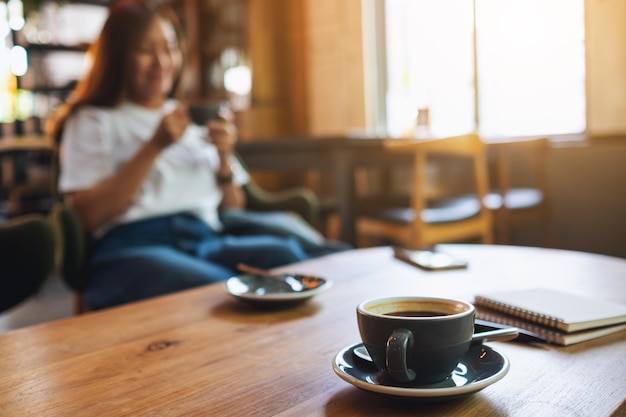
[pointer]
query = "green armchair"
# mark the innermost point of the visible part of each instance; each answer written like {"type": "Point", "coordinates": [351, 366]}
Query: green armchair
{"type": "Point", "coordinates": [299, 200]}
{"type": "Point", "coordinates": [75, 242]}
{"type": "Point", "coordinates": [27, 257]}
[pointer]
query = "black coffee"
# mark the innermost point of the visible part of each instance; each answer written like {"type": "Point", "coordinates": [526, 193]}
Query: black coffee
{"type": "Point", "coordinates": [415, 314]}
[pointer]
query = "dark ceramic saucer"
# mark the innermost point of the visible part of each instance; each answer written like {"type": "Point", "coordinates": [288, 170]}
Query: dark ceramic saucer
{"type": "Point", "coordinates": [276, 289]}
{"type": "Point", "coordinates": [480, 367]}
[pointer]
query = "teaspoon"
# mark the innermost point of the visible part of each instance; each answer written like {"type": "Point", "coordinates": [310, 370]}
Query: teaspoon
{"type": "Point", "coordinates": [288, 279]}
{"type": "Point", "coordinates": [500, 335]}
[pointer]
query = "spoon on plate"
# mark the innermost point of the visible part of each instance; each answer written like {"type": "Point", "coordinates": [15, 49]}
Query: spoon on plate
{"type": "Point", "coordinates": [500, 335]}
{"type": "Point", "coordinates": [288, 279]}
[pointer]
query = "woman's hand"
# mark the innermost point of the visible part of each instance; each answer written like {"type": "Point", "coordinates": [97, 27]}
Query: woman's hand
{"type": "Point", "coordinates": [223, 134]}
{"type": "Point", "coordinates": [171, 128]}
{"type": "Point", "coordinates": [114, 195]}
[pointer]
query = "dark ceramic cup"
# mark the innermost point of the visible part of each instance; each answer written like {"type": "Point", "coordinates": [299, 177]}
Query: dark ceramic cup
{"type": "Point", "coordinates": [416, 339]}
{"type": "Point", "coordinates": [202, 113]}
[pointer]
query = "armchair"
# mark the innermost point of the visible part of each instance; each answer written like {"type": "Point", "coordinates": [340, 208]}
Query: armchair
{"type": "Point", "coordinates": [27, 257]}
{"type": "Point", "coordinates": [299, 200]}
{"type": "Point", "coordinates": [76, 244]}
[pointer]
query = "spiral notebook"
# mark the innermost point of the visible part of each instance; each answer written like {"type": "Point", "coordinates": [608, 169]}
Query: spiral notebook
{"type": "Point", "coordinates": [554, 309]}
{"type": "Point", "coordinates": [548, 334]}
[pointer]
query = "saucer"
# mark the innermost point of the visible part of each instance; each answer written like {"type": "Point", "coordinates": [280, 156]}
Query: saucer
{"type": "Point", "coordinates": [277, 289]}
{"type": "Point", "coordinates": [480, 367]}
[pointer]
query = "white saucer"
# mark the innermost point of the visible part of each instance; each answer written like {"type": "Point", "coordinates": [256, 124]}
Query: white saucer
{"type": "Point", "coordinates": [275, 290]}
{"type": "Point", "coordinates": [480, 367]}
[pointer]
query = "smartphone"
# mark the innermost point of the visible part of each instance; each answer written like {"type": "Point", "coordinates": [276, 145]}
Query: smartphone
{"type": "Point", "coordinates": [429, 260]}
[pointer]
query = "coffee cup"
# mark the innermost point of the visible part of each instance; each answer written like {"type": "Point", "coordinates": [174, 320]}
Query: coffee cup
{"type": "Point", "coordinates": [202, 112]}
{"type": "Point", "coordinates": [416, 339]}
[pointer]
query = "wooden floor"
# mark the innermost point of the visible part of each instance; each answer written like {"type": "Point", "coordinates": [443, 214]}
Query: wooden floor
{"type": "Point", "coordinates": [54, 301]}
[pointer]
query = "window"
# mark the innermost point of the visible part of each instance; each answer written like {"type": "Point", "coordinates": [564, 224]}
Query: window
{"type": "Point", "coordinates": [504, 68]}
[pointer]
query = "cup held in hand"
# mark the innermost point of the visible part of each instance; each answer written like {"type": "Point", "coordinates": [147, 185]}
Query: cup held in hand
{"type": "Point", "coordinates": [202, 113]}
{"type": "Point", "coordinates": [416, 339]}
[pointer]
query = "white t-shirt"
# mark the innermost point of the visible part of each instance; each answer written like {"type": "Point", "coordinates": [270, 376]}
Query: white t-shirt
{"type": "Point", "coordinates": [97, 141]}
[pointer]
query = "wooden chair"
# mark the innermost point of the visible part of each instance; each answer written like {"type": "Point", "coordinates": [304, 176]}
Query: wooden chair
{"type": "Point", "coordinates": [425, 221]}
{"type": "Point", "coordinates": [526, 200]}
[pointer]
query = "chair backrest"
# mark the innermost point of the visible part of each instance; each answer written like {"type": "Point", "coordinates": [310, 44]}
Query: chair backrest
{"type": "Point", "coordinates": [299, 200]}
{"type": "Point", "coordinates": [467, 146]}
{"type": "Point", "coordinates": [74, 247]}
{"type": "Point", "coordinates": [514, 201]}
{"type": "Point", "coordinates": [448, 220]}
{"type": "Point", "coordinates": [505, 152]}
{"type": "Point", "coordinates": [27, 257]}
{"type": "Point", "coordinates": [74, 244]}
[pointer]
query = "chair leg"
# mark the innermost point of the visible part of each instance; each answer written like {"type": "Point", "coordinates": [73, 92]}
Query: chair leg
{"type": "Point", "coordinates": [502, 227]}
{"type": "Point", "coordinates": [331, 227]}
{"type": "Point", "coordinates": [548, 233]}
{"type": "Point", "coordinates": [79, 304]}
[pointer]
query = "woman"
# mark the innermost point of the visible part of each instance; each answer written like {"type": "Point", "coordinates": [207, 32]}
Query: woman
{"type": "Point", "coordinates": [145, 181]}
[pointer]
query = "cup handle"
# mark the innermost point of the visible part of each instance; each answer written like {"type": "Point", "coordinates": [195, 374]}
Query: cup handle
{"type": "Point", "coordinates": [397, 345]}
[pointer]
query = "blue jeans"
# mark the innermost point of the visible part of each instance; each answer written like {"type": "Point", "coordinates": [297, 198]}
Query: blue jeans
{"type": "Point", "coordinates": [161, 255]}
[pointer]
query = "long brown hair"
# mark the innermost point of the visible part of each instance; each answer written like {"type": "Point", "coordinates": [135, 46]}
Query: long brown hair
{"type": "Point", "coordinates": [105, 83]}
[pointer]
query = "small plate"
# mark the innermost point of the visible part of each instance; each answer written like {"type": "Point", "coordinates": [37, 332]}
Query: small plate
{"type": "Point", "coordinates": [276, 289]}
{"type": "Point", "coordinates": [480, 367]}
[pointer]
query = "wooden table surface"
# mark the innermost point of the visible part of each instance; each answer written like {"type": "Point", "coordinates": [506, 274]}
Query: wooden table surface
{"type": "Point", "coordinates": [15, 149]}
{"type": "Point", "coordinates": [203, 353]}
{"type": "Point", "coordinates": [25, 143]}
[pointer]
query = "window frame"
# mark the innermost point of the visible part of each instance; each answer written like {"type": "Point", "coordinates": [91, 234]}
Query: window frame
{"type": "Point", "coordinates": [375, 62]}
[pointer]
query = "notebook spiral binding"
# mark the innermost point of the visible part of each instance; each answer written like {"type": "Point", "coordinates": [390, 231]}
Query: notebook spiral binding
{"type": "Point", "coordinates": [521, 313]}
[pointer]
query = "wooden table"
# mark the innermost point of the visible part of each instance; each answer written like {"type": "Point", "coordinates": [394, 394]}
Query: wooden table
{"type": "Point", "coordinates": [339, 155]}
{"type": "Point", "coordinates": [17, 147]}
{"type": "Point", "coordinates": [25, 143]}
{"type": "Point", "coordinates": [14, 164]}
{"type": "Point", "coordinates": [203, 353]}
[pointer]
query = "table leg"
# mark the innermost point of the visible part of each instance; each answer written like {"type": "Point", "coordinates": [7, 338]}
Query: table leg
{"type": "Point", "coordinates": [344, 194]}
